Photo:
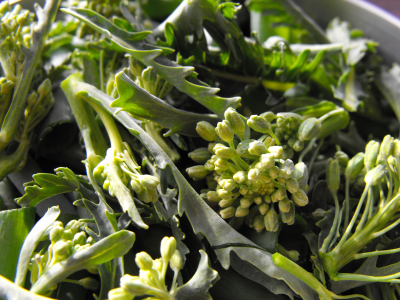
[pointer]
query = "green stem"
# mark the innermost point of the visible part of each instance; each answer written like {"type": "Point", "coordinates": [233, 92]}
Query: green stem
{"type": "Point", "coordinates": [375, 253]}
{"type": "Point", "coordinates": [335, 224]}
{"type": "Point", "coordinates": [101, 70]}
{"type": "Point", "coordinates": [347, 203]}
{"type": "Point", "coordinates": [366, 211]}
{"type": "Point", "coordinates": [307, 149]}
{"type": "Point", "coordinates": [383, 231]}
{"type": "Point", "coordinates": [358, 277]}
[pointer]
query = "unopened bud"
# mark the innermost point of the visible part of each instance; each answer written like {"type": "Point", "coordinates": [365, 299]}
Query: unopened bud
{"type": "Point", "coordinates": [253, 174]}
{"type": "Point", "coordinates": [371, 155]}
{"type": "Point", "coordinates": [149, 181]}
{"type": "Point", "coordinates": [284, 205]}
{"type": "Point", "coordinates": [240, 176]}
{"type": "Point", "coordinates": [267, 199]}
{"type": "Point", "coordinates": [223, 151]}
{"type": "Point", "coordinates": [386, 149]}
{"type": "Point", "coordinates": [229, 184]}
{"type": "Point", "coordinates": [207, 131]}
{"type": "Point", "coordinates": [245, 202]}
{"type": "Point", "coordinates": [79, 239]}
{"type": "Point", "coordinates": [274, 172]}
{"type": "Point", "coordinates": [287, 169]}
{"type": "Point", "coordinates": [301, 174]}
{"type": "Point", "coordinates": [89, 283]}
{"type": "Point", "coordinates": [236, 121]}
{"type": "Point", "coordinates": [133, 285]}
{"type": "Point", "coordinates": [375, 176]}
{"type": "Point", "coordinates": [56, 232]}
{"type": "Point", "coordinates": [224, 194]}
{"type": "Point", "coordinates": [267, 160]}
{"type": "Point", "coordinates": [289, 216]}
{"type": "Point", "coordinates": [300, 198]}
{"type": "Point", "coordinates": [354, 166]}
{"type": "Point", "coordinates": [228, 212]}
{"type": "Point", "coordinates": [168, 247]}
{"type": "Point", "coordinates": [396, 148]}
{"type": "Point", "coordinates": [241, 212]}
{"type": "Point", "coordinates": [271, 221]}
{"type": "Point", "coordinates": [259, 124]}
{"type": "Point", "coordinates": [263, 208]}
{"type": "Point", "coordinates": [144, 261]}
{"type": "Point", "coordinates": [200, 155]}
{"type": "Point", "coordinates": [257, 148]}
{"type": "Point", "coordinates": [213, 196]}
{"type": "Point", "coordinates": [277, 151]}
{"type": "Point", "coordinates": [343, 158]}
{"type": "Point", "coordinates": [258, 223]}
{"type": "Point", "coordinates": [61, 250]}
{"type": "Point", "coordinates": [309, 129]}
{"type": "Point", "coordinates": [292, 185]}
{"type": "Point", "coordinates": [333, 174]}
{"type": "Point", "coordinates": [176, 262]}
{"type": "Point", "coordinates": [119, 294]}
{"type": "Point", "coordinates": [269, 116]}
{"type": "Point", "coordinates": [197, 172]}
{"type": "Point", "coordinates": [45, 88]}
{"type": "Point", "coordinates": [136, 67]}
{"type": "Point", "coordinates": [242, 149]}
{"type": "Point", "coordinates": [224, 131]}
{"type": "Point", "coordinates": [333, 121]}
{"type": "Point", "coordinates": [67, 234]}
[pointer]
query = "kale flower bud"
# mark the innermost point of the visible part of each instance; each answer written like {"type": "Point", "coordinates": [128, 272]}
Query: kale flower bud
{"type": "Point", "coordinates": [284, 205]}
{"type": "Point", "coordinates": [207, 131]}
{"type": "Point", "coordinates": [257, 200]}
{"type": "Point", "coordinates": [144, 261]}
{"type": "Point", "coordinates": [343, 158]}
{"type": "Point", "coordinates": [386, 149]}
{"type": "Point", "coordinates": [267, 160]}
{"type": "Point", "coordinates": [309, 129]}
{"type": "Point", "coordinates": [354, 166]}
{"type": "Point", "coordinates": [300, 198]}
{"type": "Point", "coordinates": [200, 155]}
{"type": "Point", "coordinates": [267, 199]}
{"type": "Point", "coordinates": [223, 151]}
{"type": "Point", "coordinates": [297, 146]}
{"type": "Point", "coordinates": [79, 239]}
{"type": "Point", "coordinates": [224, 194]}
{"type": "Point", "coordinates": [61, 250]}
{"type": "Point", "coordinates": [149, 181]}
{"type": "Point", "coordinates": [67, 234]}
{"type": "Point", "coordinates": [243, 189]}
{"type": "Point", "coordinates": [133, 285]}
{"type": "Point", "coordinates": [259, 124]}
{"type": "Point", "coordinates": [229, 184]}
{"type": "Point", "coordinates": [240, 176]}
{"type": "Point", "coordinates": [371, 154]}
{"type": "Point", "coordinates": [221, 164]}
{"type": "Point", "coordinates": [274, 172]}
{"type": "Point", "coordinates": [226, 202]}
{"type": "Point", "coordinates": [241, 212]}
{"type": "Point", "coordinates": [287, 169]}
{"type": "Point", "coordinates": [277, 151]}
{"type": "Point", "coordinates": [242, 149]}
{"type": "Point", "coordinates": [228, 212]}
{"type": "Point", "coordinates": [235, 120]}
{"type": "Point", "coordinates": [301, 174]}
{"type": "Point", "coordinates": [257, 148]}
{"type": "Point", "coordinates": [289, 216]}
{"type": "Point", "coordinates": [168, 247]}
{"type": "Point", "coordinates": [213, 196]}
{"type": "Point", "coordinates": [333, 174]}
{"type": "Point", "coordinates": [176, 262]}
{"type": "Point", "coordinates": [271, 221]}
{"type": "Point", "coordinates": [224, 131]}
{"type": "Point", "coordinates": [197, 172]}
{"type": "Point", "coordinates": [263, 208]}
{"type": "Point", "coordinates": [293, 185]}
{"type": "Point", "coordinates": [89, 283]}
{"type": "Point", "coordinates": [396, 148]}
{"type": "Point", "coordinates": [258, 223]}
{"type": "Point", "coordinates": [56, 232]}
{"type": "Point", "coordinates": [245, 202]}
{"type": "Point", "coordinates": [269, 116]}
{"type": "Point", "coordinates": [375, 176]}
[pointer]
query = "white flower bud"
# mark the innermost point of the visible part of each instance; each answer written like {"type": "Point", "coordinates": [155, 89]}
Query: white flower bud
{"type": "Point", "coordinates": [144, 261]}
{"type": "Point", "coordinates": [168, 247]}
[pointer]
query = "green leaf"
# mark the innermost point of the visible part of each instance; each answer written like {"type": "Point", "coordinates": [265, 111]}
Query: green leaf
{"type": "Point", "coordinates": [9, 290]}
{"type": "Point", "coordinates": [15, 225]}
{"type": "Point", "coordinates": [47, 185]}
{"type": "Point", "coordinates": [140, 103]}
{"type": "Point", "coordinates": [32, 241]}
{"type": "Point", "coordinates": [222, 237]}
{"type": "Point", "coordinates": [197, 287]}
{"type": "Point", "coordinates": [183, 78]}
{"type": "Point", "coordinates": [113, 246]}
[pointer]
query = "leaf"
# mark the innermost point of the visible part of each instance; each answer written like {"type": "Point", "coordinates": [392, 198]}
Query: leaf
{"type": "Point", "coordinates": [318, 268]}
{"type": "Point", "coordinates": [113, 246]}
{"type": "Point", "coordinates": [204, 220]}
{"type": "Point", "coordinates": [197, 287]}
{"type": "Point", "coordinates": [15, 225]}
{"type": "Point", "coordinates": [47, 185]}
{"type": "Point", "coordinates": [32, 241]}
{"type": "Point", "coordinates": [140, 103]}
{"type": "Point", "coordinates": [183, 78]}
{"type": "Point", "coordinates": [9, 290]}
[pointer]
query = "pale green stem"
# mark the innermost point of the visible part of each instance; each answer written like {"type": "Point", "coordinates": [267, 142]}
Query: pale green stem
{"type": "Point", "coordinates": [101, 70]}
{"type": "Point", "coordinates": [367, 278]}
{"type": "Point", "coordinates": [383, 231]}
{"type": "Point", "coordinates": [375, 253]}
{"type": "Point", "coordinates": [366, 211]}
{"type": "Point", "coordinates": [347, 204]}
{"type": "Point", "coordinates": [307, 149]}
{"type": "Point", "coordinates": [321, 142]}
{"type": "Point", "coordinates": [335, 224]}
{"type": "Point", "coordinates": [391, 202]}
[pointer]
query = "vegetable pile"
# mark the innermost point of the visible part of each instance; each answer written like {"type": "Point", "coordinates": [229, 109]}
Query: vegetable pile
{"type": "Point", "coordinates": [195, 150]}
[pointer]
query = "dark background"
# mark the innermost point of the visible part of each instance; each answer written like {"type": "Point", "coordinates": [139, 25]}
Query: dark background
{"type": "Point", "coordinates": [392, 6]}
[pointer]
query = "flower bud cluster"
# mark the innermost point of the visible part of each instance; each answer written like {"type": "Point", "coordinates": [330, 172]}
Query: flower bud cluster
{"type": "Point", "coordinates": [250, 179]}
{"type": "Point", "coordinates": [123, 163]}
{"type": "Point", "coordinates": [151, 279]}
{"type": "Point", "coordinates": [65, 241]}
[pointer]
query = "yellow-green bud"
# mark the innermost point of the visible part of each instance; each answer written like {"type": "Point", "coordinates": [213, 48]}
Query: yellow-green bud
{"type": "Point", "coordinates": [267, 160]}
{"type": "Point", "coordinates": [271, 221]}
{"type": "Point", "coordinates": [93, 270]}
{"type": "Point", "coordinates": [301, 174]}
{"type": "Point", "coordinates": [375, 176]}
{"type": "Point", "coordinates": [396, 148]}
{"type": "Point", "coordinates": [386, 149]}
{"type": "Point", "coordinates": [309, 129]}
{"type": "Point", "coordinates": [287, 169]}
{"type": "Point", "coordinates": [228, 212]}
{"type": "Point", "coordinates": [67, 234]}
{"type": "Point", "coordinates": [197, 172]}
{"type": "Point", "coordinates": [79, 239]}
{"type": "Point", "coordinates": [224, 194]}
{"type": "Point", "coordinates": [274, 172]}
{"type": "Point", "coordinates": [176, 262]}
{"type": "Point", "coordinates": [371, 155]}
{"type": "Point", "coordinates": [241, 212]}
{"type": "Point", "coordinates": [257, 200]}
{"type": "Point", "coordinates": [200, 155]}
{"type": "Point", "coordinates": [277, 151]}
{"type": "Point", "coordinates": [226, 202]}
{"type": "Point", "coordinates": [289, 216]}
{"type": "Point", "coordinates": [240, 176]}
{"type": "Point", "coordinates": [229, 184]}
{"type": "Point", "coordinates": [56, 232]}
{"type": "Point", "coordinates": [222, 164]}
{"type": "Point", "coordinates": [263, 208]}
{"type": "Point", "coordinates": [213, 196]}
{"type": "Point", "coordinates": [224, 131]}
{"type": "Point", "coordinates": [168, 247]}
{"type": "Point", "coordinates": [235, 120]}
{"type": "Point", "coordinates": [210, 147]}
{"type": "Point", "coordinates": [149, 181]}
{"type": "Point", "coordinates": [269, 116]}
{"type": "Point", "coordinates": [75, 226]}
{"type": "Point", "coordinates": [61, 250]}
{"type": "Point", "coordinates": [333, 174]}
{"type": "Point", "coordinates": [207, 131]}
{"type": "Point", "coordinates": [119, 294]}
{"type": "Point", "coordinates": [245, 203]}
{"type": "Point", "coordinates": [89, 283]}
{"type": "Point", "coordinates": [258, 223]}
{"type": "Point", "coordinates": [144, 261]}
{"type": "Point", "coordinates": [133, 285]}
{"type": "Point", "coordinates": [354, 166]}
{"type": "Point", "coordinates": [292, 185]}
{"type": "Point", "coordinates": [253, 174]}
{"type": "Point", "coordinates": [284, 205]}
{"type": "Point", "coordinates": [267, 199]}
{"type": "Point", "coordinates": [223, 151]}
{"type": "Point", "coordinates": [343, 158]}
{"type": "Point", "coordinates": [300, 198]}
{"type": "Point", "coordinates": [257, 148]}
{"type": "Point", "coordinates": [259, 124]}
